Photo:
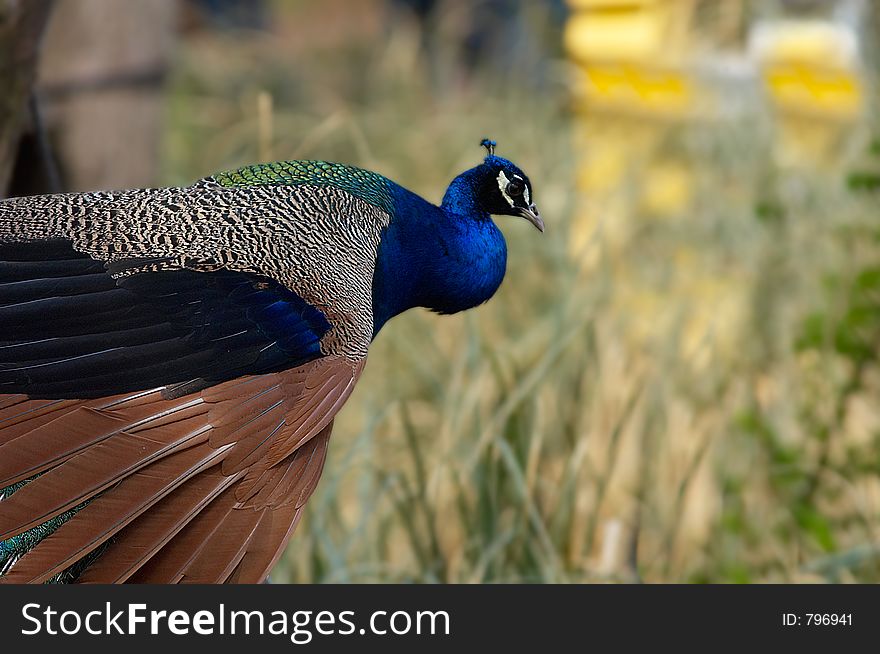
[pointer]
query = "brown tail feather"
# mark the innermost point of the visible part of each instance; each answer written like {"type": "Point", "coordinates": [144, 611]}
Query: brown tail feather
{"type": "Point", "coordinates": [324, 389]}
{"type": "Point", "coordinates": [39, 449]}
{"type": "Point", "coordinates": [166, 565]}
{"type": "Point", "coordinates": [291, 493]}
{"type": "Point", "coordinates": [267, 546]}
{"type": "Point", "coordinates": [7, 401]}
{"type": "Point", "coordinates": [300, 475]}
{"type": "Point", "coordinates": [220, 554]}
{"type": "Point", "coordinates": [140, 540]}
{"type": "Point", "coordinates": [109, 513]}
{"type": "Point", "coordinates": [254, 445]}
{"type": "Point", "coordinates": [85, 475]}
{"type": "Point", "coordinates": [201, 488]}
{"type": "Point", "coordinates": [23, 415]}
{"type": "Point", "coordinates": [220, 559]}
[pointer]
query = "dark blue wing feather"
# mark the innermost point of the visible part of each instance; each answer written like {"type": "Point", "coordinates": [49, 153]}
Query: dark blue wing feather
{"type": "Point", "coordinates": [68, 329]}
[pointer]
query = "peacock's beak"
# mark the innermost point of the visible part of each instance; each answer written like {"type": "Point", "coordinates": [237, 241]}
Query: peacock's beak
{"type": "Point", "coordinates": [531, 214]}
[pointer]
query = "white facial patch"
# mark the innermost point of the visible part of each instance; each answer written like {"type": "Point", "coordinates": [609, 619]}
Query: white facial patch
{"type": "Point", "coordinates": [502, 184]}
{"type": "Point", "coordinates": [526, 196]}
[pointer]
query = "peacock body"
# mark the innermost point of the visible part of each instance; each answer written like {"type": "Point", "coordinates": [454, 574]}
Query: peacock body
{"type": "Point", "coordinates": [171, 360]}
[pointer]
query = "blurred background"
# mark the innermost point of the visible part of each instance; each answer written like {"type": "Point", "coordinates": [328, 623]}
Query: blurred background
{"type": "Point", "coordinates": [678, 382]}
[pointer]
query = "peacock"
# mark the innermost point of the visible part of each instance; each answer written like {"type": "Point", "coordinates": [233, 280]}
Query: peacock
{"type": "Point", "coordinates": [172, 359]}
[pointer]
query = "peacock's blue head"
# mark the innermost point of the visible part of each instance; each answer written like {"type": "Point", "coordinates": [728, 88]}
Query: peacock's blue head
{"type": "Point", "coordinates": [497, 187]}
{"type": "Point", "coordinates": [452, 258]}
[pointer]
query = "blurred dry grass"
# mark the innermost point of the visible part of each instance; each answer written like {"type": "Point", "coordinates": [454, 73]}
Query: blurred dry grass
{"type": "Point", "coordinates": [632, 408]}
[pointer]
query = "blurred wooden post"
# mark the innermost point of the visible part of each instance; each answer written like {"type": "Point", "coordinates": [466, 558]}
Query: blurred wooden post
{"type": "Point", "coordinates": [100, 84]}
{"type": "Point", "coordinates": [21, 25]}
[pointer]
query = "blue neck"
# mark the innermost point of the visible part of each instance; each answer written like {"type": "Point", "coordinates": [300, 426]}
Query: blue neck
{"type": "Point", "coordinates": [461, 196]}
{"type": "Point", "coordinates": [447, 259]}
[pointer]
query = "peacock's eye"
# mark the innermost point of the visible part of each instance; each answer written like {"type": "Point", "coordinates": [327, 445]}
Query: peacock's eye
{"type": "Point", "coordinates": [515, 188]}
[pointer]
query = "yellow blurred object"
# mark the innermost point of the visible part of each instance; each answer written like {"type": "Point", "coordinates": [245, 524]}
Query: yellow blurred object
{"type": "Point", "coordinates": [634, 88]}
{"type": "Point", "coordinates": [806, 42]}
{"type": "Point", "coordinates": [811, 68]}
{"type": "Point", "coordinates": [813, 77]}
{"type": "Point", "coordinates": [633, 85]}
{"type": "Point", "coordinates": [630, 53]}
{"type": "Point", "coordinates": [802, 88]}
{"type": "Point", "coordinates": [628, 31]}
{"type": "Point", "coordinates": [614, 5]}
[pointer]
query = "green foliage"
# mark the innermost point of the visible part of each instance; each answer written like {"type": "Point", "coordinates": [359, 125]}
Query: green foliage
{"type": "Point", "coordinates": [853, 333]}
{"type": "Point", "coordinates": [864, 181]}
{"type": "Point", "coordinates": [842, 332]}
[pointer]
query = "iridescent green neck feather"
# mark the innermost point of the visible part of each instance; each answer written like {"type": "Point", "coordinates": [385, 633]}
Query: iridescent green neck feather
{"type": "Point", "coordinates": [368, 186]}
